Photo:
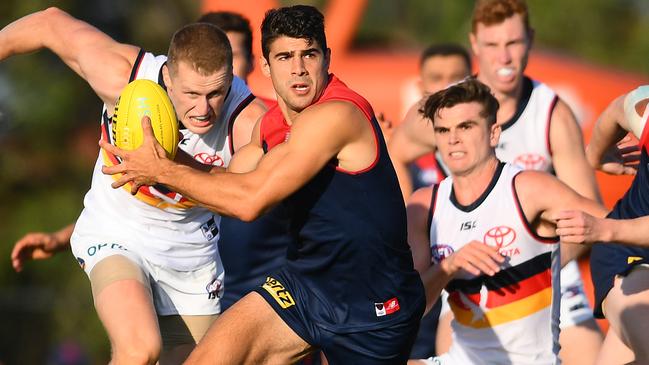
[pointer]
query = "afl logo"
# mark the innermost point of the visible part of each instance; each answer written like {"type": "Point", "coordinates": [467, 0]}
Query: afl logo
{"type": "Point", "coordinates": [209, 160]}
{"type": "Point", "coordinates": [530, 161]}
{"type": "Point", "coordinates": [440, 252]}
{"type": "Point", "coordinates": [500, 237]}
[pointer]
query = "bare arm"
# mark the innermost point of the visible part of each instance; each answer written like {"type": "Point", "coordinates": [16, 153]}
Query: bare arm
{"type": "Point", "coordinates": [579, 227]}
{"type": "Point", "coordinates": [245, 123]}
{"type": "Point", "coordinates": [104, 63]}
{"type": "Point", "coordinates": [568, 154]}
{"type": "Point", "coordinates": [40, 245]}
{"type": "Point", "coordinates": [611, 126]}
{"type": "Point", "coordinates": [542, 210]}
{"type": "Point", "coordinates": [570, 165]}
{"type": "Point", "coordinates": [321, 132]}
{"type": "Point", "coordinates": [412, 139]}
{"type": "Point", "coordinates": [248, 156]}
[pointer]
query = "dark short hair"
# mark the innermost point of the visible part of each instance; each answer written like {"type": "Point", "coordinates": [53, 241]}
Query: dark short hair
{"type": "Point", "coordinates": [202, 46]}
{"type": "Point", "coordinates": [468, 91]}
{"type": "Point", "coordinates": [231, 22]}
{"type": "Point", "coordinates": [299, 21]}
{"type": "Point", "coordinates": [446, 49]}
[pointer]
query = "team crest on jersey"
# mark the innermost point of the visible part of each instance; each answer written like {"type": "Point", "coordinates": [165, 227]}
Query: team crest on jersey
{"type": "Point", "coordinates": [502, 238]}
{"type": "Point", "coordinates": [210, 229]}
{"type": "Point", "coordinates": [278, 292]}
{"type": "Point", "coordinates": [530, 161]}
{"type": "Point", "coordinates": [206, 158]}
{"type": "Point", "coordinates": [214, 289]}
{"type": "Point", "coordinates": [388, 307]}
{"type": "Point", "coordinates": [440, 252]}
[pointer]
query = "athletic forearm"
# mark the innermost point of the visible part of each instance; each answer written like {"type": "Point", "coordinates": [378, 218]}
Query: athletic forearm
{"type": "Point", "coordinates": [224, 193]}
{"type": "Point", "coordinates": [634, 232]}
{"type": "Point", "coordinates": [606, 132]}
{"type": "Point", "coordinates": [435, 280]}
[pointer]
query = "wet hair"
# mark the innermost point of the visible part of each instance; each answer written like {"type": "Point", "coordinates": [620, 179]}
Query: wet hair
{"type": "Point", "coordinates": [231, 22]}
{"type": "Point", "coordinates": [202, 46]}
{"type": "Point", "coordinates": [299, 21]}
{"type": "Point", "coordinates": [492, 12]}
{"type": "Point", "coordinates": [468, 91]}
{"type": "Point", "coordinates": [446, 49]}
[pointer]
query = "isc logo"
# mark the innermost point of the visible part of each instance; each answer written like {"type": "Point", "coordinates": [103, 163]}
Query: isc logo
{"type": "Point", "coordinates": [277, 291]}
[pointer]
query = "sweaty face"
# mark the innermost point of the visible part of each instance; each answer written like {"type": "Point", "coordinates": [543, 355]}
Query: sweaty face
{"type": "Point", "coordinates": [298, 71]}
{"type": "Point", "coordinates": [241, 66]}
{"type": "Point", "coordinates": [438, 72]}
{"type": "Point", "coordinates": [502, 51]}
{"type": "Point", "coordinates": [198, 99]}
{"type": "Point", "coordinates": [464, 138]}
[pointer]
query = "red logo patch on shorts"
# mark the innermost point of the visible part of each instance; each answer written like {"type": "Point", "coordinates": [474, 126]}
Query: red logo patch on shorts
{"type": "Point", "coordinates": [388, 307]}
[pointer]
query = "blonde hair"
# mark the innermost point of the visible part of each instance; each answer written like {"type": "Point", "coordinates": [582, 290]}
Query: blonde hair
{"type": "Point", "coordinates": [202, 46]}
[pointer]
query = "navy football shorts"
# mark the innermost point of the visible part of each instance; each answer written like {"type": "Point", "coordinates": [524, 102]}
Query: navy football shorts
{"type": "Point", "coordinates": [606, 262]}
{"type": "Point", "coordinates": [385, 346]}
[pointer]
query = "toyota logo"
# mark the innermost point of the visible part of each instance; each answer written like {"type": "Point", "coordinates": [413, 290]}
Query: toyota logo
{"type": "Point", "coordinates": [500, 237]}
{"type": "Point", "coordinates": [209, 160]}
{"type": "Point", "coordinates": [530, 161]}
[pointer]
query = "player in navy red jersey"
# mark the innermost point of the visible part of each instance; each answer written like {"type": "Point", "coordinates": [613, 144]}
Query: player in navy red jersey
{"type": "Point", "coordinates": [349, 287]}
{"type": "Point", "coordinates": [619, 273]}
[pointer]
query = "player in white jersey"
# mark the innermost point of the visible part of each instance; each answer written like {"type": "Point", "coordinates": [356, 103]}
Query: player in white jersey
{"type": "Point", "coordinates": [486, 235]}
{"type": "Point", "coordinates": [152, 260]}
{"type": "Point", "coordinates": [539, 131]}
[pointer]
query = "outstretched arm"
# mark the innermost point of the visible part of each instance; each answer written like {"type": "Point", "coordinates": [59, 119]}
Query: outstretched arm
{"type": "Point", "coordinates": [412, 139]}
{"type": "Point", "coordinates": [579, 227]}
{"type": "Point", "coordinates": [321, 132]}
{"type": "Point", "coordinates": [104, 63]}
{"type": "Point", "coordinates": [39, 246]}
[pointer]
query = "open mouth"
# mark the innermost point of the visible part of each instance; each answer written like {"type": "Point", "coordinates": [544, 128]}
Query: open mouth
{"type": "Point", "coordinates": [201, 120]}
{"type": "Point", "coordinates": [300, 88]}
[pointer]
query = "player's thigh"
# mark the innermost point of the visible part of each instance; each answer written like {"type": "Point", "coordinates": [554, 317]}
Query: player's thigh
{"type": "Point", "coordinates": [627, 308]}
{"type": "Point", "coordinates": [580, 343]}
{"type": "Point", "coordinates": [250, 332]}
{"type": "Point", "coordinates": [613, 351]}
{"type": "Point", "coordinates": [180, 334]}
{"type": "Point", "coordinates": [124, 304]}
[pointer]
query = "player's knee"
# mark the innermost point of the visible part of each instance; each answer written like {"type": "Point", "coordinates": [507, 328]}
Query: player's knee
{"type": "Point", "coordinates": [143, 350]}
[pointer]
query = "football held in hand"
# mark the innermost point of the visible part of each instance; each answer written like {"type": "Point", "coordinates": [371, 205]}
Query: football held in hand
{"type": "Point", "coordinates": [144, 98]}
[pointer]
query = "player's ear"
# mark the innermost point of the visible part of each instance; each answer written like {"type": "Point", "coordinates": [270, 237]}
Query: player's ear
{"type": "Point", "coordinates": [165, 76]}
{"type": "Point", "coordinates": [494, 135]}
{"type": "Point", "coordinates": [474, 43]}
{"type": "Point", "coordinates": [265, 67]}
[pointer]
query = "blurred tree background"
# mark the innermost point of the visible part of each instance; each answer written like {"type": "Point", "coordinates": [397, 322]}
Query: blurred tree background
{"type": "Point", "coordinates": [48, 134]}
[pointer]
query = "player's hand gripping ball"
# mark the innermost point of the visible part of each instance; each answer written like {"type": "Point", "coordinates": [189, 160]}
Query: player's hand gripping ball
{"type": "Point", "coordinates": [145, 98]}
